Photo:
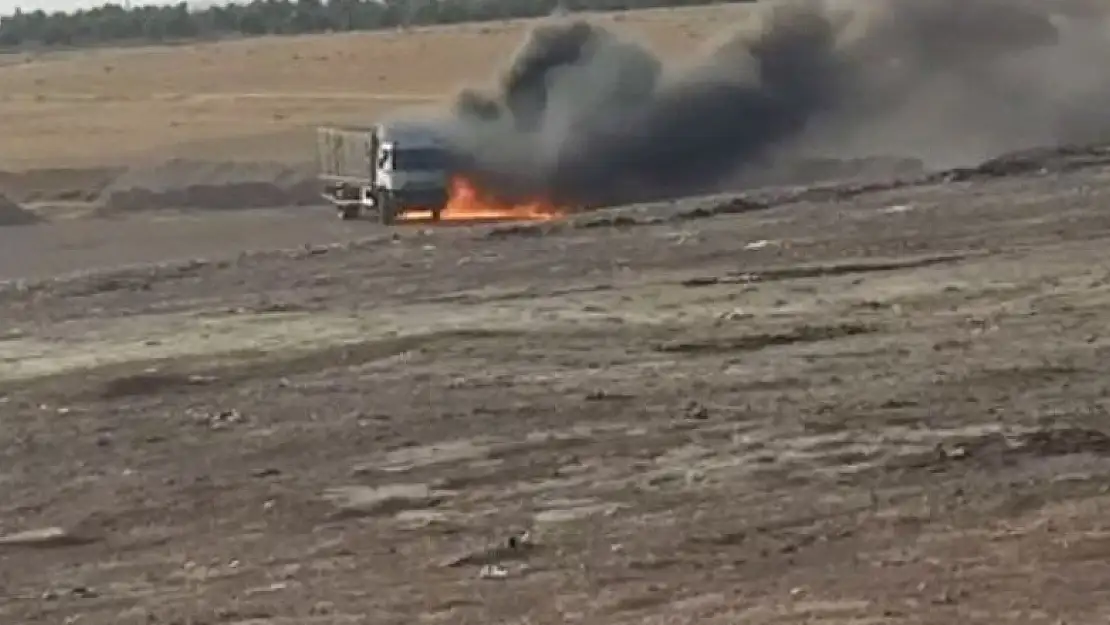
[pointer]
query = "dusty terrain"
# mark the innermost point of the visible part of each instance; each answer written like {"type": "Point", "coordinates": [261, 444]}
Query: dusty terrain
{"type": "Point", "coordinates": [838, 407]}
{"type": "Point", "coordinates": [856, 404]}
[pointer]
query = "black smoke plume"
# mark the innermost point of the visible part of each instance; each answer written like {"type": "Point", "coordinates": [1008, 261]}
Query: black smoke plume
{"type": "Point", "coordinates": [585, 117]}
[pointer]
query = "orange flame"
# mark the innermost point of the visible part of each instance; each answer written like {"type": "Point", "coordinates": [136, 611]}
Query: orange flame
{"type": "Point", "coordinates": [466, 202]}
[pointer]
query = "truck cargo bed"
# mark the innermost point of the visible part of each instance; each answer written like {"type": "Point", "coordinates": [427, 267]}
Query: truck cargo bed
{"type": "Point", "coordinates": [343, 154]}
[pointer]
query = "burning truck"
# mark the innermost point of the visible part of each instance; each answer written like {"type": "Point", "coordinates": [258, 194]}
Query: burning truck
{"type": "Point", "coordinates": [584, 118]}
{"type": "Point", "coordinates": [405, 171]}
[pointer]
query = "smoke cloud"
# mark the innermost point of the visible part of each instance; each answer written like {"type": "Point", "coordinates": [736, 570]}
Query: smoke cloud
{"type": "Point", "coordinates": [585, 117]}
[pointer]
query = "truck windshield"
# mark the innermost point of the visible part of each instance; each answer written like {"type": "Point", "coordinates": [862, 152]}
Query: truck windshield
{"type": "Point", "coordinates": [419, 159]}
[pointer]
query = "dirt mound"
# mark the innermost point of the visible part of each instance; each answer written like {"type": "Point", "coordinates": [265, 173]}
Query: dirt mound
{"type": "Point", "coordinates": [1043, 160]}
{"type": "Point", "coordinates": [210, 185]}
{"type": "Point", "coordinates": [56, 184]}
{"type": "Point", "coordinates": [12, 214]}
{"type": "Point", "coordinates": [814, 170]}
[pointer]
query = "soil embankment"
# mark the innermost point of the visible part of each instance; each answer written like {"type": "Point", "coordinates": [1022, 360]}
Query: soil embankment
{"type": "Point", "coordinates": [185, 184]}
{"type": "Point", "coordinates": [12, 214]}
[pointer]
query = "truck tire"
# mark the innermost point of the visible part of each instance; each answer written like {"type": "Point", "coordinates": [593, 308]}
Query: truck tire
{"type": "Point", "coordinates": [387, 211]}
{"type": "Point", "coordinates": [348, 212]}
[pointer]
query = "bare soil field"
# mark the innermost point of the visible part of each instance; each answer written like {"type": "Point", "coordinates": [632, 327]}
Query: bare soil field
{"type": "Point", "coordinates": [258, 99]}
{"type": "Point", "coordinates": [881, 405]}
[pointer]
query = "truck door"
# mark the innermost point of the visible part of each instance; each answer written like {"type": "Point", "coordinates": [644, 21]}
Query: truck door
{"type": "Point", "coordinates": [384, 165]}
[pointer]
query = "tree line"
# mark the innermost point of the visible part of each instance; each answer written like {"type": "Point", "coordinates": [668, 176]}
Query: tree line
{"type": "Point", "coordinates": [116, 24]}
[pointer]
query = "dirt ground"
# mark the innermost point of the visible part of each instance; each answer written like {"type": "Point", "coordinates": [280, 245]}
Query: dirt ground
{"type": "Point", "coordinates": [874, 407]}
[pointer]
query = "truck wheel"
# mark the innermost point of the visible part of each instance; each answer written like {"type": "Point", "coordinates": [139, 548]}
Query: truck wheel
{"type": "Point", "coordinates": [348, 212]}
{"type": "Point", "coordinates": [387, 212]}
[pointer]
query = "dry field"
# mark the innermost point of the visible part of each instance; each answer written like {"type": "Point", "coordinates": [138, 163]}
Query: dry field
{"type": "Point", "coordinates": [829, 406]}
{"type": "Point", "coordinates": [258, 98]}
{"type": "Point", "coordinates": [879, 407]}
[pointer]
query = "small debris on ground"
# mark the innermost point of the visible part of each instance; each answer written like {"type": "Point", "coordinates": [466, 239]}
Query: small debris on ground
{"type": "Point", "coordinates": [386, 500]}
{"type": "Point", "coordinates": [695, 410]}
{"type": "Point", "coordinates": [701, 281]}
{"type": "Point", "coordinates": [44, 538]}
{"type": "Point", "coordinates": [736, 314]}
{"type": "Point", "coordinates": [898, 208]}
{"type": "Point", "coordinates": [602, 394]}
{"type": "Point", "coordinates": [515, 547]}
{"type": "Point", "coordinates": [493, 571]}
{"type": "Point", "coordinates": [223, 419]}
